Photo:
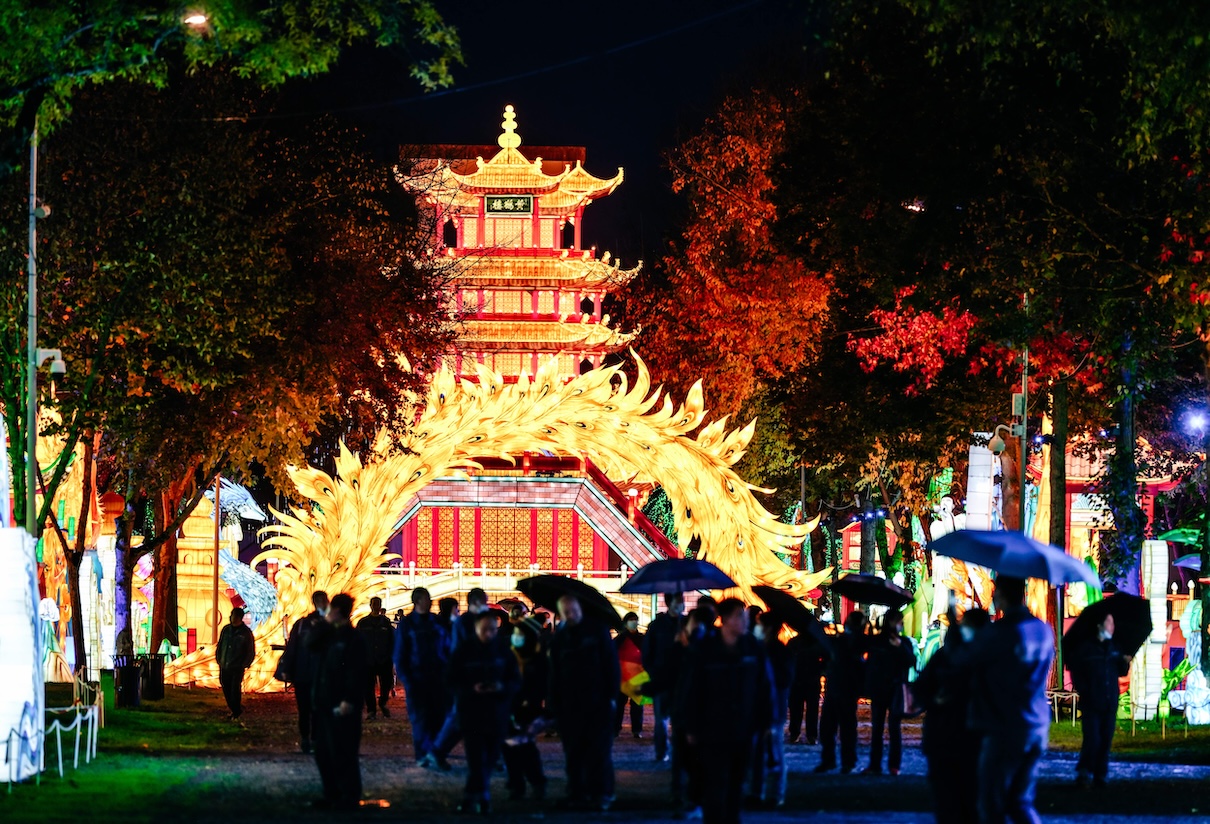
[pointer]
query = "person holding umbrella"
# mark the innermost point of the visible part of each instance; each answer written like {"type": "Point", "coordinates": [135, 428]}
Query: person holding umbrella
{"type": "Point", "coordinates": [844, 677]}
{"type": "Point", "coordinates": [1096, 665]}
{"type": "Point", "coordinates": [891, 657]}
{"type": "Point", "coordinates": [658, 650]}
{"type": "Point", "coordinates": [729, 706]}
{"type": "Point", "coordinates": [1009, 665]}
{"type": "Point", "coordinates": [584, 679]}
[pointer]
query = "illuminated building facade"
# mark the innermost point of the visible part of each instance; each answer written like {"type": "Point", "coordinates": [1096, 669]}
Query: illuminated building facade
{"type": "Point", "coordinates": [526, 292]}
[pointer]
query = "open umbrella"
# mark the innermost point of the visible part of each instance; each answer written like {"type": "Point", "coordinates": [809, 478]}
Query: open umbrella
{"type": "Point", "coordinates": [1193, 561]}
{"type": "Point", "coordinates": [1013, 553]}
{"type": "Point", "coordinates": [1131, 620]}
{"type": "Point", "coordinates": [791, 612]}
{"type": "Point", "coordinates": [870, 589]}
{"type": "Point", "coordinates": [545, 591]}
{"type": "Point", "coordinates": [676, 575]}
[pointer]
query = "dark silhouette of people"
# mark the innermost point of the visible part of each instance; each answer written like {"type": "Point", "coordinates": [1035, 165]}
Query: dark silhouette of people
{"type": "Point", "coordinates": [630, 637]}
{"type": "Point", "coordinates": [235, 653]}
{"type": "Point", "coordinates": [1096, 665]}
{"type": "Point", "coordinates": [686, 771]}
{"type": "Point", "coordinates": [1009, 664]}
{"type": "Point", "coordinates": [447, 614]}
{"type": "Point", "coordinates": [729, 704]}
{"type": "Point", "coordinates": [451, 728]}
{"type": "Point", "coordinates": [584, 679]}
{"type": "Point", "coordinates": [769, 771]}
{"type": "Point", "coordinates": [298, 667]}
{"type": "Point", "coordinates": [890, 659]}
{"type": "Point", "coordinates": [844, 676]}
{"type": "Point", "coordinates": [521, 756]}
{"type": "Point", "coordinates": [421, 653]}
{"type": "Point", "coordinates": [379, 636]}
{"type": "Point", "coordinates": [658, 646]}
{"type": "Point", "coordinates": [483, 675]}
{"type": "Point", "coordinates": [806, 689]}
{"type": "Point", "coordinates": [338, 693]}
{"type": "Point", "coordinates": [950, 747]}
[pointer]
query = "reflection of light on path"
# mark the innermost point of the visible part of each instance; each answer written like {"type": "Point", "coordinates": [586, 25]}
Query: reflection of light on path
{"type": "Point", "coordinates": [375, 802]}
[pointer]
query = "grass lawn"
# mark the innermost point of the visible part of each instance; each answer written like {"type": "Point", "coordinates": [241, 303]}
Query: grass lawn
{"type": "Point", "coordinates": [1178, 745]}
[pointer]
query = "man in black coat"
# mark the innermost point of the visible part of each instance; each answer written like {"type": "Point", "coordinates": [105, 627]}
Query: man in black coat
{"type": "Point", "coordinates": [845, 677]}
{"type": "Point", "coordinates": [483, 675]}
{"type": "Point", "coordinates": [769, 771]}
{"type": "Point", "coordinates": [338, 693]}
{"type": "Point", "coordinates": [1095, 668]}
{"type": "Point", "coordinates": [584, 680]}
{"type": "Point", "coordinates": [658, 646]}
{"type": "Point", "coordinates": [421, 652]}
{"type": "Point", "coordinates": [804, 692]}
{"type": "Point", "coordinates": [235, 653]}
{"type": "Point", "coordinates": [297, 667]}
{"type": "Point", "coordinates": [686, 772]}
{"type": "Point", "coordinates": [379, 636]}
{"type": "Point", "coordinates": [729, 705]}
{"type": "Point", "coordinates": [451, 730]}
{"type": "Point", "coordinates": [890, 659]}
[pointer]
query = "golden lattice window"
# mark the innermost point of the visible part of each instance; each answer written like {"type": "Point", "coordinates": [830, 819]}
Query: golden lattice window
{"type": "Point", "coordinates": [584, 551]}
{"type": "Point", "coordinates": [546, 530]}
{"type": "Point", "coordinates": [546, 303]}
{"type": "Point", "coordinates": [504, 538]}
{"type": "Point", "coordinates": [466, 536]}
{"type": "Point", "coordinates": [424, 538]}
{"type": "Point", "coordinates": [444, 520]}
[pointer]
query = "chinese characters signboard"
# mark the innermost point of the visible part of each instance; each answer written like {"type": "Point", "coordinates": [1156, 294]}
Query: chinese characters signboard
{"type": "Point", "coordinates": [509, 204]}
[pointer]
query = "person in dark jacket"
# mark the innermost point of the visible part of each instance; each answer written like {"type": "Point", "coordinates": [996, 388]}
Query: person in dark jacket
{"type": "Point", "coordinates": [338, 693]}
{"type": "Point", "coordinates": [447, 614]}
{"type": "Point", "coordinates": [1096, 665]}
{"type": "Point", "coordinates": [521, 756]}
{"type": "Point", "coordinates": [451, 729]}
{"type": "Point", "coordinates": [421, 652]}
{"type": "Point", "coordinates": [379, 636]}
{"type": "Point", "coordinates": [584, 679]}
{"type": "Point", "coordinates": [297, 667]}
{"type": "Point", "coordinates": [844, 677]}
{"type": "Point", "coordinates": [769, 755]}
{"type": "Point", "coordinates": [686, 773]}
{"type": "Point", "coordinates": [658, 644]}
{"type": "Point", "coordinates": [235, 653]}
{"type": "Point", "coordinates": [809, 657]}
{"type": "Point", "coordinates": [890, 659]}
{"type": "Point", "coordinates": [483, 675]}
{"type": "Point", "coordinates": [729, 706]}
{"type": "Point", "coordinates": [628, 636]}
{"type": "Point", "coordinates": [950, 748]}
{"type": "Point", "coordinates": [1009, 666]}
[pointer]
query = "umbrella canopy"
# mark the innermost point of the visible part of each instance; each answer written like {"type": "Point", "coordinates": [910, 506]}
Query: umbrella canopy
{"type": "Point", "coordinates": [1192, 561]}
{"type": "Point", "coordinates": [545, 591]}
{"type": "Point", "coordinates": [1131, 619]}
{"type": "Point", "coordinates": [1015, 554]}
{"type": "Point", "coordinates": [676, 575]}
{"type": "Point", "coordinates": [791, 612]}
{"type": "Point", "coordinates": [870, 589]}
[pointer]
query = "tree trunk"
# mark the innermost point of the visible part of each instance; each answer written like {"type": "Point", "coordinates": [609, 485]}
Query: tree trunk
{"type": "Point", "coordinates": [869, 533]}
{"type": "Point", "coordinates": [1203, 590]}
{"type": "Point", "coordinates": [1058, 505]}
{"type": "Point", "coordinates": [74, 555]}
{"type": "Point", "coordinates": [164, 608]}
{"type": "Point", "coordinates": [125, 559]}
{"type": "Point", "coordinates": [1010, 484]}
{"type": "Point", "coordinates": [1128, 517]}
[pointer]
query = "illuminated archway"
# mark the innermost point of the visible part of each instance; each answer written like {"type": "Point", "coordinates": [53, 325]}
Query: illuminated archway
{"type": "Point", "coordinates": [338, 544]}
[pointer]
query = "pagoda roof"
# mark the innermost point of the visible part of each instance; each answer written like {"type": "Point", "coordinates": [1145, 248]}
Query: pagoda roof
{"type": "Point", "coordinates": [534, 272]}
{"type": "Point", "coordinates": [456, 183]}
{"type": "Point", "coordinates": [539, 334]}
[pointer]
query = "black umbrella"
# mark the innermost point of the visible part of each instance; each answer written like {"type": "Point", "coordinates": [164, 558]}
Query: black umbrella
{"type": "Point", "coordinates": [870, 589]}
{"type": "Point", "coordinates": [546, 590]}
{"type": "Point", "coordinates": [792, 612]}
{"type": "Point", "coordinates": [677, 575]}
{"type": "Point", "coordinates": [1131, 623]}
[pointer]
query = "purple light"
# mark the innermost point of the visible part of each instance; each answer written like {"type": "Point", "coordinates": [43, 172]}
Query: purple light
{"type": "Point", "coordinates": [1195, 423]}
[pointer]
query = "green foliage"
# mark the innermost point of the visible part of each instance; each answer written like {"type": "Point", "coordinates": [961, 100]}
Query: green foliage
{"type": "Point", "coordinates": [658, 510]}
{"type": "Point", "coordinates": [1173, 677]}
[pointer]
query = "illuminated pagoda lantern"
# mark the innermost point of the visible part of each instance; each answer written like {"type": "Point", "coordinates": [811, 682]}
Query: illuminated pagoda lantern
{"type": "Point", "coordinates": [525, 292]}
{"type": "Point", "coordinates": [511, 225]}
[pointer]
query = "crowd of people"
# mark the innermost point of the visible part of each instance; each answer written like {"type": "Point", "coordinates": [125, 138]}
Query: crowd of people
{"type": "Point", "coordinates": [727, 695]}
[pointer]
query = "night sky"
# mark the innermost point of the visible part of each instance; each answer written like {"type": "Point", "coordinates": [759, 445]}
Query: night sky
{"type": "Point", "coordinates": [622, 78]}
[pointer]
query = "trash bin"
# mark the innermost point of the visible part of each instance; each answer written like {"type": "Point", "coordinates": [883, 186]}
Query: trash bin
{"type": "Point", "coordinates": [152, 676]}
{"type": "Point", "coordinates": [126, 676]}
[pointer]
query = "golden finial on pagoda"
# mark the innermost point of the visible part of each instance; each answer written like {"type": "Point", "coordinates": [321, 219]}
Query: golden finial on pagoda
{"type": "Point", "coordinates": [509, 139]}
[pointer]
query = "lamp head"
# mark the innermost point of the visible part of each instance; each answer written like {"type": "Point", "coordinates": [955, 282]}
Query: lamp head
{"type": "Point", "coordinates": [997, 444]}
{"type": "Point", "coordinates": [58, 367]}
